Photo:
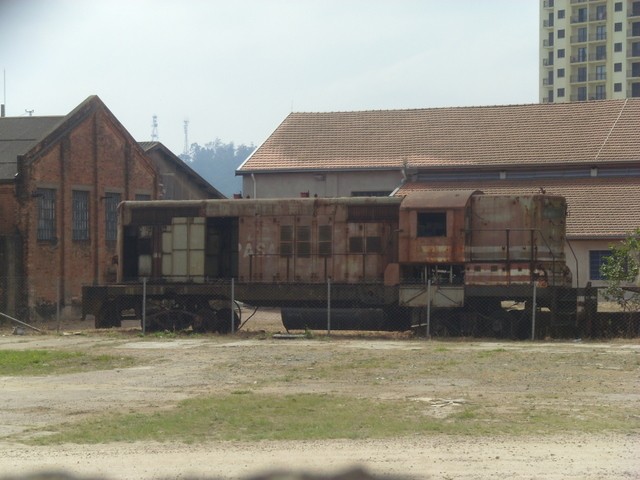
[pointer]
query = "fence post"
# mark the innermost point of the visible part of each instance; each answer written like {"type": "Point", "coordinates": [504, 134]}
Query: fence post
{"type": "Point", "coordinates": [58, 305]}
{"type": "Point", "coordinates": [428, 309]}
{"type": "Point", "coordinates": [328, 305]}
{"type": "Point", "coordinates": [144, 305]}
{"type": "Point", "coordinates": [533, 313]}
{"type": "Point", "coordinates": [233, 285]}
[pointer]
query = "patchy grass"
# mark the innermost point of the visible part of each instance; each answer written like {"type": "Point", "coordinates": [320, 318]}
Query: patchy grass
{"type": "Point", "coordinates": [47, 362]}
{"type": "Point", "coordinates": [247, 416]}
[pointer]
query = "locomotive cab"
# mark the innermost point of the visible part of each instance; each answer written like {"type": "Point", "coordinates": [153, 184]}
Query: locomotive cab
{"type": "Point", "coordinates": [432, 240]}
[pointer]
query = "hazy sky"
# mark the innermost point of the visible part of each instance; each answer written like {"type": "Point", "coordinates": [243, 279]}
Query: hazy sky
{"type": "Point", "coordinates": [236, 68]}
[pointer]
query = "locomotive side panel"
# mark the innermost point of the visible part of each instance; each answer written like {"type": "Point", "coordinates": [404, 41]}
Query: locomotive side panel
{"type": "Point", "coordinates": [347, 240]}
{"type": "Point", "coordinates": [516, 240]}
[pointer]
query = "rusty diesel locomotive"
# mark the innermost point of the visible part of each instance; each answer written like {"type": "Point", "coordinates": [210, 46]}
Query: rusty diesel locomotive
{"type": "Point", "coordinates": [386, 262]}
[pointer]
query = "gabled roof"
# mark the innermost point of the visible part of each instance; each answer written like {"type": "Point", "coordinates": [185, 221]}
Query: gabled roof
{"type": "Point", "coordinates": [198, 180]}
{"type": "Point", "coordinates": [605, 131]}
{"type": "Point", "coordinates": [32, 136]}
{"type": "Point", "coordinates": [605, 208]}
{"type": "Point", "coordinates": [18, 135]}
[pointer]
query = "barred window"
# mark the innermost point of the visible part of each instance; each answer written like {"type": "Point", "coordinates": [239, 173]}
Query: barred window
{"type": "Point", "coordinates": [80, 215]}
{"type": "Point", "coordinates": [46, 214]}
{"type": "Point", "coordinates": [111, 202]}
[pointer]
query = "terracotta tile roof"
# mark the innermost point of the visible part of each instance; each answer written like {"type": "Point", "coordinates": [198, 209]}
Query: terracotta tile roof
{"type": "Point", "coordinates": [539, 134]}
{"type": "Point", "coordinates": [598, 207]}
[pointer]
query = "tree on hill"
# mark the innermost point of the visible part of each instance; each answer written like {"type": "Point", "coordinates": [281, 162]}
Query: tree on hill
{"type": "Point", "coordinates": [217, 162]}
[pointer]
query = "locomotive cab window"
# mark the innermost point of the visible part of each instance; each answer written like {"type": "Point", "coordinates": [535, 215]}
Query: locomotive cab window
{"type": "Point", "coordinates": [432, 224]}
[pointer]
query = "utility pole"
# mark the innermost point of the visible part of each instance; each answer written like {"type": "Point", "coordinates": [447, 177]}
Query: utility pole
{"type": "Point", "coordinates": [154, 129]}
{"type": "Point", "coordinates": [185, 151]}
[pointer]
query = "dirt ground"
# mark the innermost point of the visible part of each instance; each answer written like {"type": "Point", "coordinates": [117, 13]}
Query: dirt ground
{"type": "Point", "coordinates": [178, 368]}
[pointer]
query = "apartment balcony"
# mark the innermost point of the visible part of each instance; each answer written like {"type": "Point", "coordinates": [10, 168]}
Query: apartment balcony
{"type": "Point", "coordinates": [547, 81]}
{"type": "Point", "coordinates": [547, 4]}
{"type": "Point", "coordinates": [579, 19]}
{"type": "Point", "coordinates": [598, 17]}
{"type": "Point", "coordinates": [547, 23]}
{"type": "Point", "coordinates": [595, 37]}
{"type": "Point", "coordinates": [547, 63]}
{"type": "Point", "coordinates": [547, 43]}
{"type": "Point", "coordinates": [578, 79]}
{"type": "Point", "coordinates": [584, 98]}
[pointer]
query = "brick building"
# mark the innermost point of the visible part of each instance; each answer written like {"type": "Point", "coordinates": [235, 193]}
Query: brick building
{"type": "Point", "coordinates": [178, 180]}
{"type": "Point", "coordinates": [61, 179]}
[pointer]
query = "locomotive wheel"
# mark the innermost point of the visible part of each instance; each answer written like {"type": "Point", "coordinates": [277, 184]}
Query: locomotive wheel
{"type": "Point", "coordinates": [170, 320]}
{"type": "Point", "coordinates": [108, 317]}
{"type": "Point", "coordinates": [224, 323]}
{"type": "Point", "coordinates": [205, 320]}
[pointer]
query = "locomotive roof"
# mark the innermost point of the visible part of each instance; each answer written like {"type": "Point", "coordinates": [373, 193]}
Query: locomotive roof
{"type": "Point", "coordinates": [162, 210]}
{"type": "Point", "coordinates": [438, 198]}
{"type": "Point", "coordinates": [301, 205]}
{"type": "Point", "coordinates": [598, 207]}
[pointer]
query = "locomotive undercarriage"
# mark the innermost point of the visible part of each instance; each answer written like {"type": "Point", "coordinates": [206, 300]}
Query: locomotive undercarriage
{"type": "Point", "coordinates": [487, 311]}
{"type": "Point", "coordinates": [504, 312]}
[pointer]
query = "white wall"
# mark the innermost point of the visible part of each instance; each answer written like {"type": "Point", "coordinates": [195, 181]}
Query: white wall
{"type": "Point", "coordinates": [334, 184]}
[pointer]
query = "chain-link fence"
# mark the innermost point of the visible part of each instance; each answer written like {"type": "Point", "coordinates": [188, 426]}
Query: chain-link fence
{"type": "Point", "coordinates": [526, 312]}
{"type": "Point", "coordinates": [229, 305]}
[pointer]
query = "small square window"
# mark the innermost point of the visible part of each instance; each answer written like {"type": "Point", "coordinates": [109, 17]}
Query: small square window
{"type": "Point", "coordinates": [617, 67]}
{"type": "Point", "coordinates": [356, 245]}
{"type": "Point", "coordinates": [374, 245]}
{"type": "Point", "coordinates": [617, 47]}
{"type": "Point", "coordinates": [561, 53]}
{"type": "Point", "coordinates": [561, 33]}
{"type": "Point", "coordinates": [560, 92]}
{"type": "Point", "coordinates": [618, 6]}
{"type": "Point", "coordinates": [561, 73]}
{"type": "Point", "coordinates": [617, 27]}
{"type": "Point", "coordinates": [617, 87]}
{"type": "Point", "coordinates": [433, 224]}
{"type": "Point", "coordinates": [560, 14]}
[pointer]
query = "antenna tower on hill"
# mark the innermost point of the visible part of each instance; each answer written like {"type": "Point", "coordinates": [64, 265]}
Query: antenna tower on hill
{"type": "Point", "coordinates": [154, 129]}
{"type": "Point", "coordinates": [185, 152]}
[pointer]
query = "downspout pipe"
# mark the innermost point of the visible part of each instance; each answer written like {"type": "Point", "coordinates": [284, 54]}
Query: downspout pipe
{"type": "Point", "coordinates": [255, 187]}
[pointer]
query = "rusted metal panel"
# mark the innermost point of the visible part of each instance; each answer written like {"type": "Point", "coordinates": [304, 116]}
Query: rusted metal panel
{"type": "Point", "coordinates": [432, 226]}
{"type": "Point", "coordinates": [516, 228]}
{"type": "Point", "coordinates": [437, 296]}
{"type": "Point", "coordinates": [295, 243]}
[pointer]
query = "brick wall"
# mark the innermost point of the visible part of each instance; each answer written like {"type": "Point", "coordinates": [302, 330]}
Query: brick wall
{"type": "Point", "coordinates": [92, 154]}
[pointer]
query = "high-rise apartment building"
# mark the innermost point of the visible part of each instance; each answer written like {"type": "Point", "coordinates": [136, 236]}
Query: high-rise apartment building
{"type": "Point", "coordinates": [589, 50]}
